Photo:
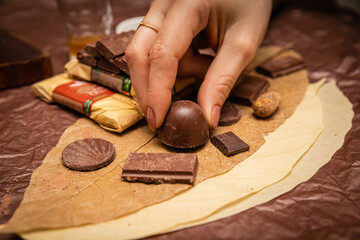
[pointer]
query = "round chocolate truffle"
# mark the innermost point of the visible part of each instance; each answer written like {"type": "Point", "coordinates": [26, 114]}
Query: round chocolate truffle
{"type": "Point", "coordinates": [185, 126]}
{"type": "Point", "coordinates": [88, 154]}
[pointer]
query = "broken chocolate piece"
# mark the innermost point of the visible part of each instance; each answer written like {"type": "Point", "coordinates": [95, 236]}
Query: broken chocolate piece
{"type": "Point", "coordinates": [86, 58]}
{"type": "Point", "coordinates": [90, 48]}
{"type": "Point", "coordinates": [88, 154]}
{"type": "Point", "coordinates": [185, 126]}
{"type": "Point", "coordinates": [281, 66]}
{"type": "Point", "coordinates": [229, 144]}
{"type": "Point", "coordinates": [107, 66]}
{"type": "Point", "coordinates": [248, 90]}
{"type": "Point", "coordinates": [160, 168]}
{"type": "Point", "coordinates": [114, 45]}
{"type": "Point", "coordinates": [121, 63]}
{"type": "Point", "coordinates": [230, 114]}
{"type": "Point", "coordinates": [20, 62]}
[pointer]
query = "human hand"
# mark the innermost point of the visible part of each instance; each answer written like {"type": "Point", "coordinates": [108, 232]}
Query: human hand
{"type": "Point", "coordinates": [235, 29]}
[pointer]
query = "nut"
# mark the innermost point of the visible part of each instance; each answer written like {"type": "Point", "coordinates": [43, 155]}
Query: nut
{"type": "Point", "coordinates": [266, 104]}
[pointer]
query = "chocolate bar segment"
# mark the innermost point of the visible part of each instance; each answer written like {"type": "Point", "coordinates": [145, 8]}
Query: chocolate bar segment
{"type": "Point", "coordinates": [160, 168]}
{"type": "Point", "coordinates": [248, 90]}
{"type": "Point", "coordinates": [86, 58]}
{"type": "Point", "coordinates": [229, 144]}
{"type": "Point", "coordinates": [121, 63]}
{"type": "Point", "coordinates": [281, 66]}
{"type": "Point", "coordinates": [114, 45]}
{"type": "Point", "coordinates": [107, 66]}
{"type": "Point", "coordinates": [90, 48]}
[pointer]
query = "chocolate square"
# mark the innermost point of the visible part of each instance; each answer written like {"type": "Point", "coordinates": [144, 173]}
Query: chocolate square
{"type": "Point", "coordinates": [281, 66]}
{"type": "Point", "coordinates": [248, 90]}
{"type": "Point", "coordinates": [229, 144]}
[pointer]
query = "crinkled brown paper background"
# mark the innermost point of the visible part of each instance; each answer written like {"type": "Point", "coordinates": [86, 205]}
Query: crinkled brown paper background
{"type": "Point", "coordinates": [326, 37]}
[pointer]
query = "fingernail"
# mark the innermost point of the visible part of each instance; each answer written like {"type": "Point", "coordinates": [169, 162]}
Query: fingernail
{"type": "Point", "coordinates": [150, 118]}
{"type": "Point", "coordinates": [215, 116]}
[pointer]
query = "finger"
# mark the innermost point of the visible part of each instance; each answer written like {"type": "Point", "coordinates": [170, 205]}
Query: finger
{"type": "Point", "coordinates": [137, 53]}
{"type": "Point", "coordinates": [193, 64]}
{"type": "Point", "coordinates": [231, 59]}
{"type": "Point", "coordinates": [183, 22]}
{"type": "Point", "coordinates": [236, 50]}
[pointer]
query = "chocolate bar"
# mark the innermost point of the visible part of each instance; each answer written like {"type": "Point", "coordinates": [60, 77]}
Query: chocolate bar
{"type": "Point", "coordinates": [248, 90]}
{"type": "Point", "coordinates": [21, 62]}
{"type": "Point", "coordinates": [114, 45]}
{"type": "Point", "coordinates": [86, 58]}
{"type": "Point", "coordinates": [229, 144]}
{"type": "Point", "coordinates": [107, 66]}
{"type": "Point", "coordinates": [160, 168]}
{"type": "Point", "coordinates": [281, 66]}
{"type": "Point", "coordinates": [90, 48]}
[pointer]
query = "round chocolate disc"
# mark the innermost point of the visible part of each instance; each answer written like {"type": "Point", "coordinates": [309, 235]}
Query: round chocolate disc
{"type": "Point", "coordinates": [88, 154]}
{"type": "Point", "coordinates": [230, 114]}
{"type": "Point", "coordinates": [185, 126]}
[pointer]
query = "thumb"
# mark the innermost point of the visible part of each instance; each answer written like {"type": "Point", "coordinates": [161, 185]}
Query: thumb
{"type": "Point", "coordinates": [222, 74]}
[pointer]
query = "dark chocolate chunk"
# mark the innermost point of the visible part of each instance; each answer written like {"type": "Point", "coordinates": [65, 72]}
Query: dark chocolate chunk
{"type": "Point", "coordinates": [229, 144]}
{"type": "Point", "coordinates": [160, 168]}
{"type": "Point", "coordinates": [114, 45]}
{"type": "Point", "coordinates": [281, 66]}
{"type": "Point", "coordinates": [230, 114]}
{"type": "Point", "coordinates": [88, 154]}
{"type": "Point", "coordinates": [107, 66]}
{"type": "Point", "coordinates": [121, 63]}
{"type": "Point", "coordinates": [185, 126]}
{"type": "Point", "coordinates": [20, 62]}
{"type": "Point", "coordinates": [86, 58]}
{"type": "Point", "coordinates": [90, 48]}
{"type": "Point", "coordinates": [248, 90]}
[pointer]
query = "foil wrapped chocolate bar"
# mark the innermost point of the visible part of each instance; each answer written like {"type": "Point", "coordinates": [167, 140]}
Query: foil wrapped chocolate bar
{"type": "Point", "coordinates": [160, 168]}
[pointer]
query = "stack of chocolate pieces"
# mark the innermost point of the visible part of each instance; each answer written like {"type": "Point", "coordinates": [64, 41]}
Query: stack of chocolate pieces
{"type": "Point", "coordinates": [108, 53]}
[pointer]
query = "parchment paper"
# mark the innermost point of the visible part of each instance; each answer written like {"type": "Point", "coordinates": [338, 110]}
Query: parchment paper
{"type": "Point", "coordinates": [337, 116]}
{"type": "Point", "coordinates": [58, 197]}
{"type": "Point", "coordinates": [337, 121]}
